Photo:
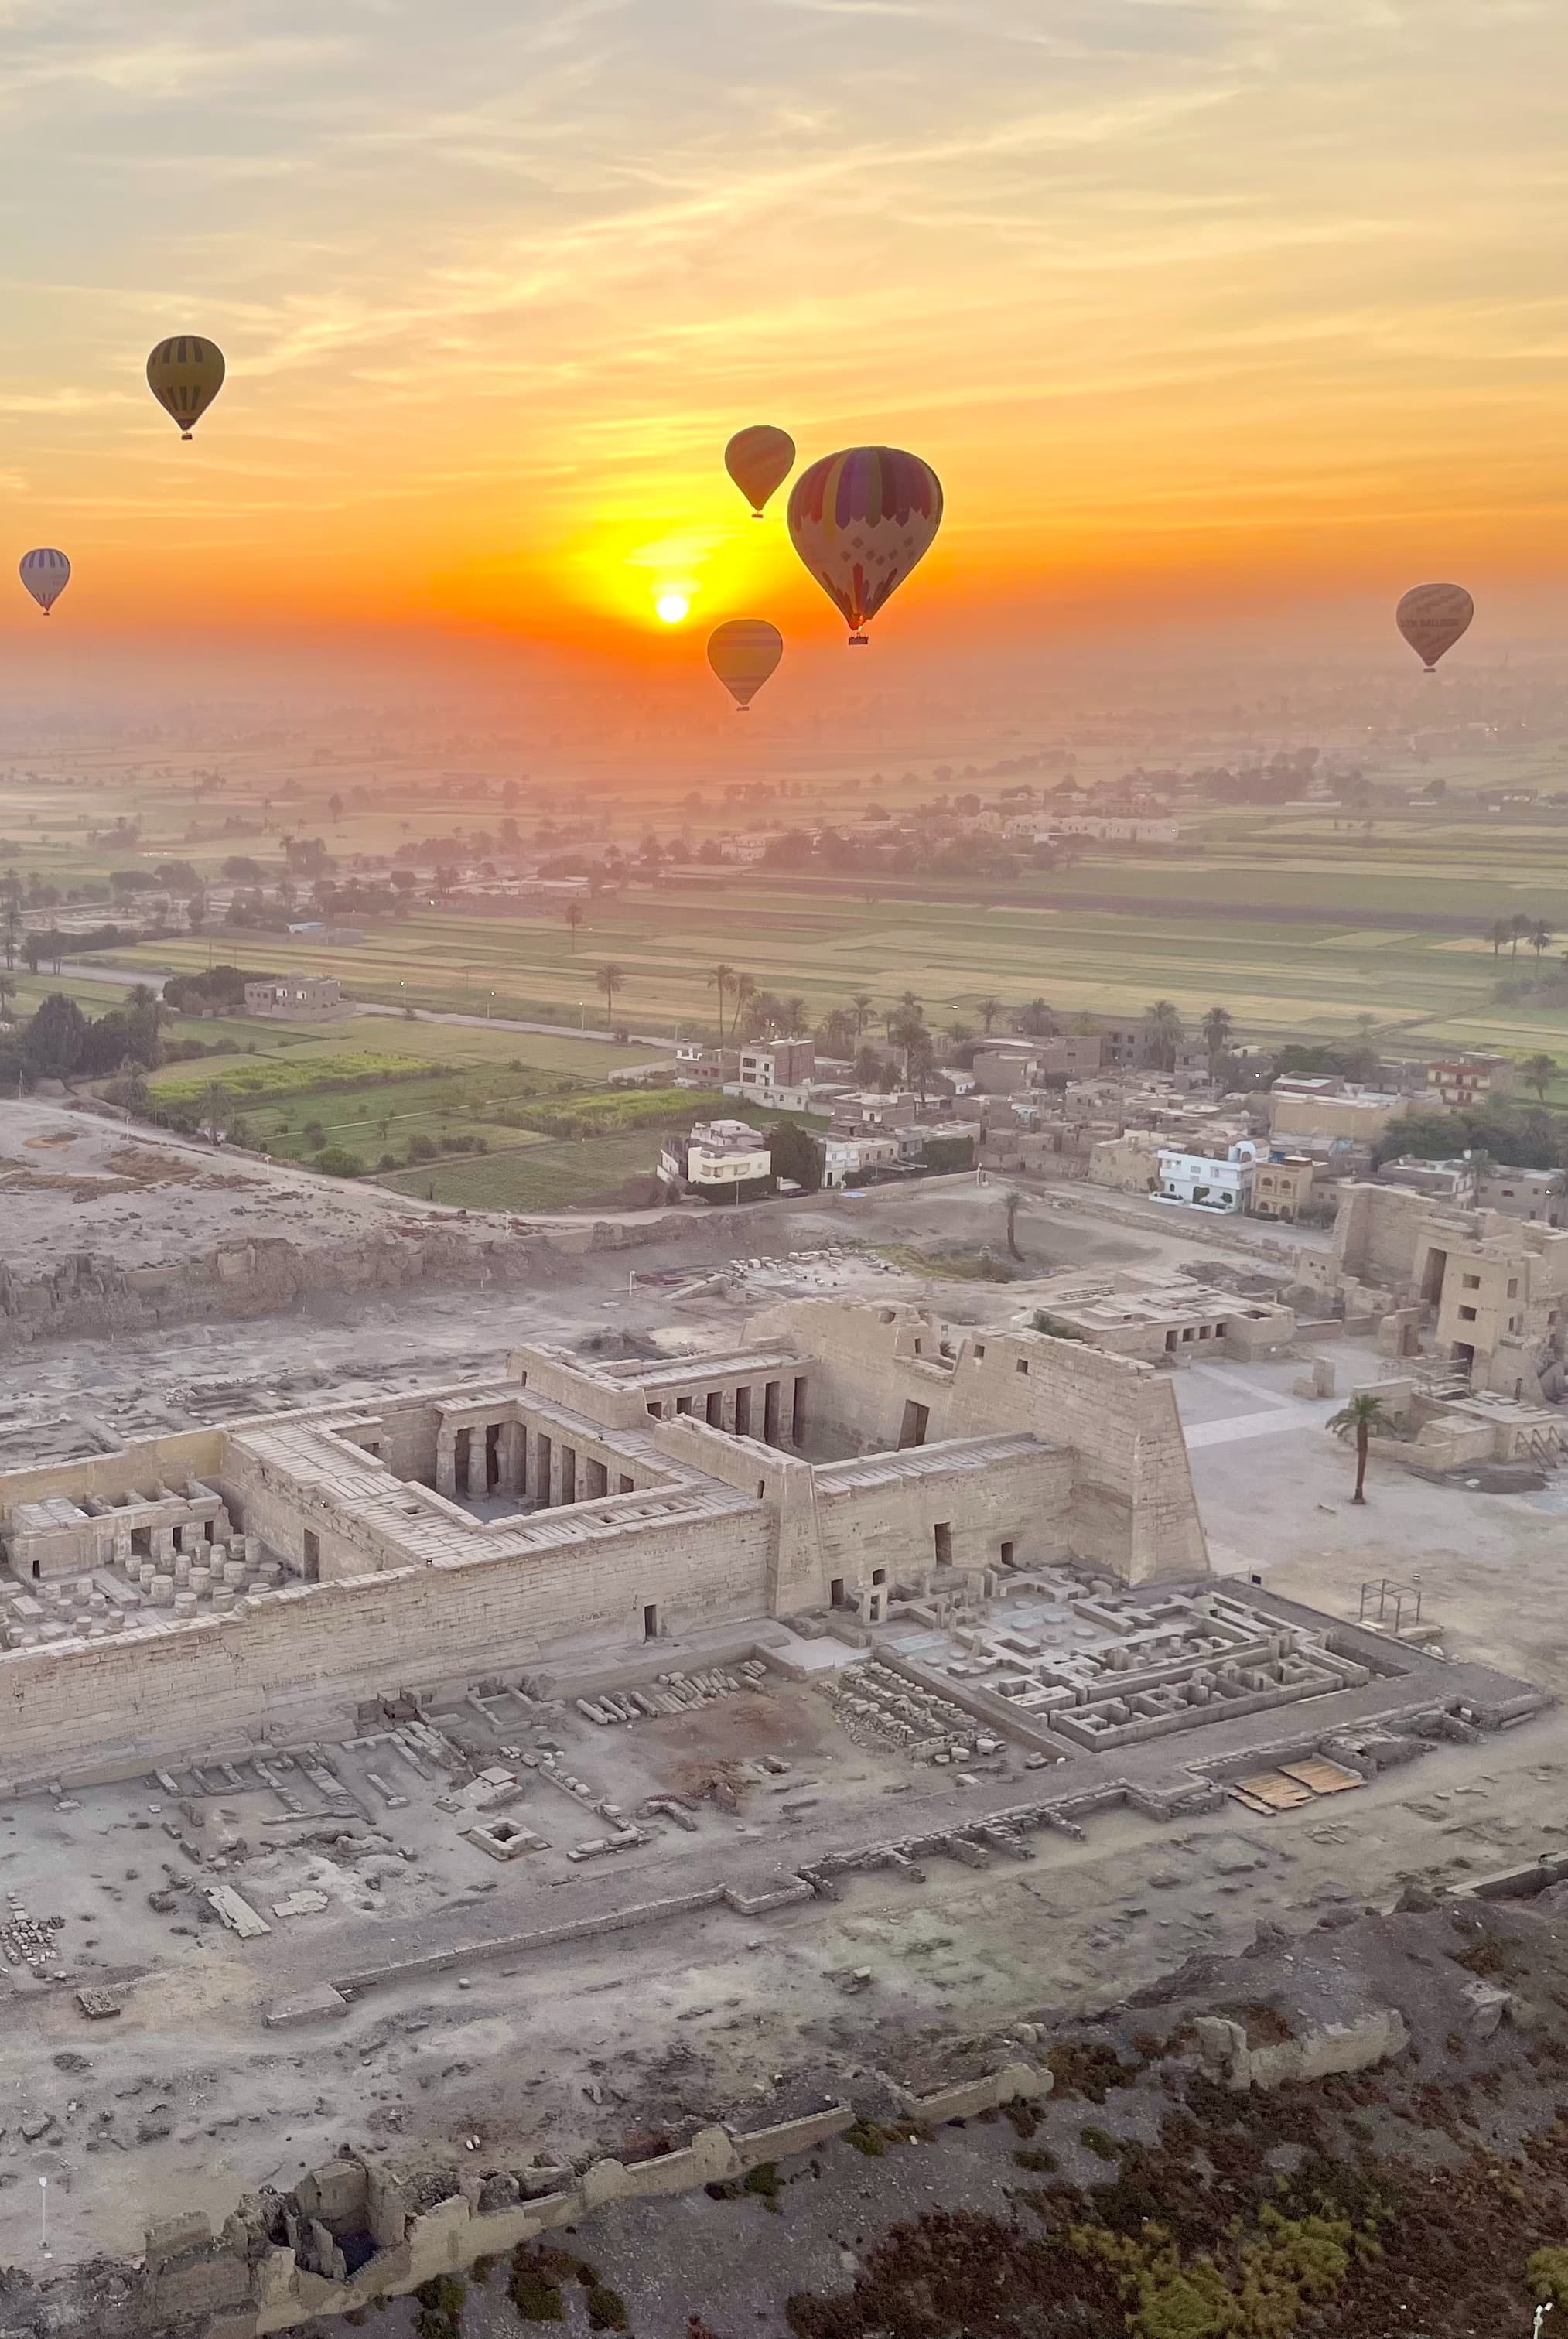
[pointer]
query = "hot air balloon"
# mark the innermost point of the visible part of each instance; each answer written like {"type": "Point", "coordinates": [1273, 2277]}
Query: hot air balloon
{"type": "Point", "coordinates": [1432, 617]}
{"type": "Point", "coordinates": [46, 574]}
{"type": "Point", "coordinates": [759, 459]}
{"type": "Point", "coordinates": [859, 520]}
{"type": "Point", "coordinates": [742, 655]}
{"type": "Point", "coordinates": [184, 375]}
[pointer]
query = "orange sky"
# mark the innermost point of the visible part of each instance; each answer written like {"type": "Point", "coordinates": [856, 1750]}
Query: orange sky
{"type": "Point", "coordinates": [1192, 306]}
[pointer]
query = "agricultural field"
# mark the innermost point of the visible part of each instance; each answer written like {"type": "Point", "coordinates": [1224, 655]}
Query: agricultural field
{"type": "Point", "coordinates": [569, 1173]}
{"type": "Point", "coordinates": [1297, 920]}
{"type": "Point", "coordinates": [1280, 968]}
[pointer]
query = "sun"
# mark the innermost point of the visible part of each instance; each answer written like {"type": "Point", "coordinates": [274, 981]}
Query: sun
{"type": "Point", "coordinates": [672, 607]}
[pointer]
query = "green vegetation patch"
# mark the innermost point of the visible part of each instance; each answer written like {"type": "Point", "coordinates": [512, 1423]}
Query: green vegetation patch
{"type": "Point", "coordinates": [259, 1077]}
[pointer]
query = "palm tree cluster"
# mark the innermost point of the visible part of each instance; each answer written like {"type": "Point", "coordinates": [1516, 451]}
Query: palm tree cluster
{"type": "Point", "coordinates": [1507, 933]}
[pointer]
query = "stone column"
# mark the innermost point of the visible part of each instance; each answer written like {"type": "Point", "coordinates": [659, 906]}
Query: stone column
{"type": "Point", "coordinates": [512, 1457]}
{"type": "Point", "coordinates": [446, 1465]}
{"type": "Point", "coordinates": [541, 1460]}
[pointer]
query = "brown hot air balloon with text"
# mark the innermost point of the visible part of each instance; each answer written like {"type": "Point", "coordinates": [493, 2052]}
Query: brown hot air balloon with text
{"type": "Point", "coordinates": [1432, 617]}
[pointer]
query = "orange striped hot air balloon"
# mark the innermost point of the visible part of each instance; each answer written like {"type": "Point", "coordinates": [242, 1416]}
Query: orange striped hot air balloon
{"type": "Point", "coordinates": [1432, 617]}
{"type": "Point", "coordinates": [185, 374]}
{"type": "Point", "coordinates": [743, 654]}
{"type": "Point", "coordinates": [859, 520]}
{"type": "Point", "coordinates": [759, 459]}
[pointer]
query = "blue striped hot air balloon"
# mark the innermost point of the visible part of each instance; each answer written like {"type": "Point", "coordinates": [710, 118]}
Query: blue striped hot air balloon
{"type": "Point", "coordinates": [45, 572]}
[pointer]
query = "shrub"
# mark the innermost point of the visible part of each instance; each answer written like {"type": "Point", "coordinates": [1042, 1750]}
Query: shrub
{"type": "Point", "coordinates": [334, 1162]}
{"type": "Point", "coordinates": [607, 2309]}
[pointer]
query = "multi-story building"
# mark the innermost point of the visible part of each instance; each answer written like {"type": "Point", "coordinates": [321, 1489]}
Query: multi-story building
{"type": "Point", "coordinates": [1282, 1186]}
{"type": "Point", "coordinates": [1462, 1082]}
{"type": "Point", "coordinates": [1208, 1181]}
{"type": "Point", "coordinates": [718, 1156]}
{"type": "Point", "coordinates": [770, 1068]}
{"type": "Point", "coordinates": [1533, 1195]}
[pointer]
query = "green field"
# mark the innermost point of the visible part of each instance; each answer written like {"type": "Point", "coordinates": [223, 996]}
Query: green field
{"type": "Point", "coordinates": [567, 1174]}
{"type": "Point", "coordinates": [1307, 975]}
{"type": "Point", "coordinates": [1297, 920]}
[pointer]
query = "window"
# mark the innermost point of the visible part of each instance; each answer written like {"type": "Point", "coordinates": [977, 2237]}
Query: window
{"type": "Point", "coordinates": [941, 1539]}
{"type": "Point", "coordinates": [980, 1352]}
{"type": "Point", "coordinates": [1467, 1315]}
{"type": "Point", "coordinates": [879, 1576]}
{"type": "Point", "coordinates": [1471, 1282]}
{"type": "Point", "coordinates": [1513, 1287]}
{"type": "Point", "coordinates": [1022, 1366]}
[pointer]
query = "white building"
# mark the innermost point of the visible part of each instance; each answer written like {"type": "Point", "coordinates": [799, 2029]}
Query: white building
{"type": "Point", "coordinates": [717, 1154]}
{"type": "Point", "coordinates": [845, 1158]}
{"type": "Point", "coordinates": [1113, 828]}
{"type": "Point", "coordinates": [1206, 1181]}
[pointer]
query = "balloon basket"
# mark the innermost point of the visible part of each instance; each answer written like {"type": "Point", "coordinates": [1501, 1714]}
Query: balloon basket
{"type": "Point", "coordinates": [858, 642]}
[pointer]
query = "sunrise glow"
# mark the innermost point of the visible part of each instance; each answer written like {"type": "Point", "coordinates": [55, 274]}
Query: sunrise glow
{"type": "Point", "coordinates": [671, 607]}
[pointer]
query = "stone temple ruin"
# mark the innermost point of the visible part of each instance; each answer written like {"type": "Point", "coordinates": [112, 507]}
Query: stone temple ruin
{"type": "Point", "coordinates": [1056, 1659]}
{"type": "Point", "coordinates": [848, 1459]}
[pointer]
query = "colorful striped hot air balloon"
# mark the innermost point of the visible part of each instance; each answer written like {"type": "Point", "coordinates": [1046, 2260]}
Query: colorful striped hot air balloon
{"type": "Point", "coordinates": [185, 374]}
{"type": "Point", "coordinates": [45, 572]}
{"type": "Point", "coordinates": [759, 459]}
{"type": "Point", "coordinates": [860, 521]}
{"type": "Point", "coordinates": [1432, 617]}
{"type": "Point", "coordinates": [743, 654]}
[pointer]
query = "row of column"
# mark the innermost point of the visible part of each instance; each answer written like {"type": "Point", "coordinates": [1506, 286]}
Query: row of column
{"type": "Point", "coordinates": [773, 1411]}
{"type": "Point", "coordinates": [514, 1461]}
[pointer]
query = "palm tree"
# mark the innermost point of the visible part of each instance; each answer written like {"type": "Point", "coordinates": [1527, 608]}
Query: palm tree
{"type": "Point", "coordinates": [1539, 1071]}
{"type": "Point", "coordinates": [1519, 925]}
{"type": "Point", "coordinates": [864, 1012]}
{"type": "Point", "coordinates": [1540, 936]}
{"type": "Point", "coordinates": [988, 1010]}
{"type": "Point", "coordinates": [746, 990]}
{"type": "Point", "coordinates": [611, 978]}
{"type": "Point", "coordinates": [1014, 1202]}
{"type": "Point", "coordinates": [721, 978]}
{"type": "Point", "coordinates": [1165, 1030]}
{"type": "Point", "coordinates": [7, 993]}
{"type": "Point", "coordinates": [1362, 1419]}
{"type": "Point", "coordinates": [1498, 934]}
{"type": "Point", "coordinates": [1218, 1027]}
{"type": "Point", "coordinates": [574, 915]}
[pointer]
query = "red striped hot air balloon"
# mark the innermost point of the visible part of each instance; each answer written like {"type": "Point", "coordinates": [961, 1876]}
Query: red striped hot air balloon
{"type": "Point", "coordinates": [759, 459]}
{"type": "Point", "coordinates": [743, 654]}
{"type": "Point", "coordinates": [859, 520]}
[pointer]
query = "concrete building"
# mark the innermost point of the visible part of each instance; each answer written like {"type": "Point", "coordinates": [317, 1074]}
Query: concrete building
{"type": "Point", "coordinates": [1327, 1106]}
{"type": "Point", "coordinates": [1113, 828]}
{"type": "Point", "coordinates": [1282, 1186]}
{"type": "Point", "coordinates": [717, 1155]}
{"type": "Point", "coordinates": [1442, 1182]}
{"type": "Point", "coordinates": [1462, 1083]}
{"type": "Point", "coordinates": [1010, 1067]}
{"type": "Point", "coordinates": [773, 1070]}
{"type": "Point", "coordinates": [1206, 1181]}
{"type": "Point", "coordinates": [846, 1160]}
{"type": "Point", "coordinates": [299, 998]}
{"type": "Point", "coordinates": [1533, 1195]}
{"type": "Point", "coordinates": [1127, 1164]}
{"type": "Point", "coordinates": [184, 1588]}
